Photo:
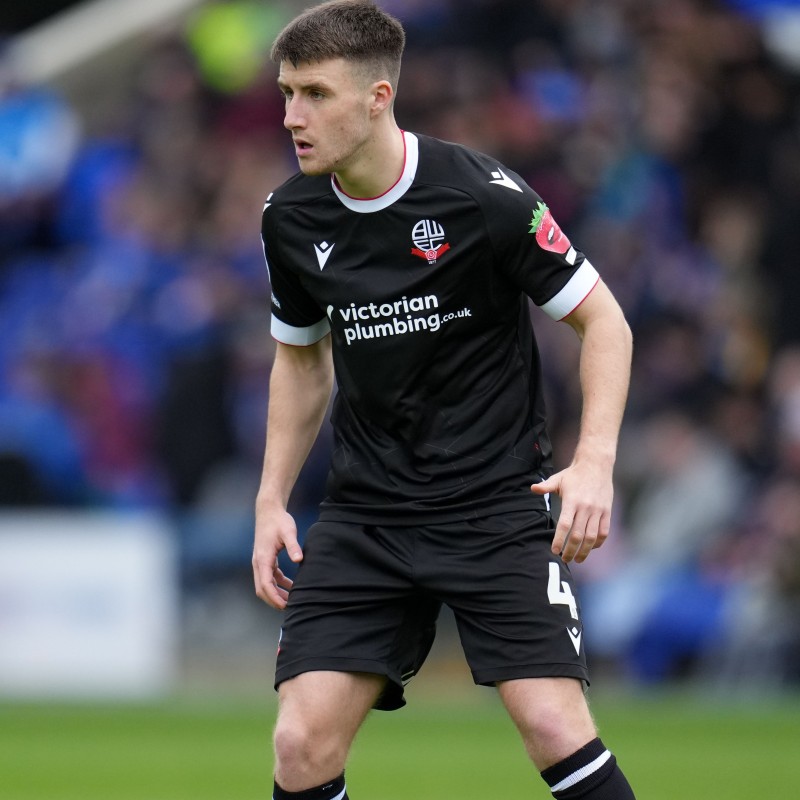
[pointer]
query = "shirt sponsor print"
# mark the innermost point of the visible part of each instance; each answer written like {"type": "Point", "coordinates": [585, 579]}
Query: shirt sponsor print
{"type": "Point", "coordinates": [396, 318]}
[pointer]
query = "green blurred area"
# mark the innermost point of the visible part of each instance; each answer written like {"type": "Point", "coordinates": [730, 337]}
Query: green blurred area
{"type": "Point", "coordinates": [443, 745]}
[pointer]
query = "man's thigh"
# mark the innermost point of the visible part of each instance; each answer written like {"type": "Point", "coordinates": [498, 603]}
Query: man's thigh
{"type": "Point", "coordinates": [319, 714]}
{"type": "Point", "coordinates": [329, 701]}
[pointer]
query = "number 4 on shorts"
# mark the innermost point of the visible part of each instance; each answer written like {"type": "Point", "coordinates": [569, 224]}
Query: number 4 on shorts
{"type": "Point", "coordinates": [559, 592]}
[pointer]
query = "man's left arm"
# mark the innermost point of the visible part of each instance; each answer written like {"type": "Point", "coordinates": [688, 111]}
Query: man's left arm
{"type": "Point", "coordinates": [586, 485]}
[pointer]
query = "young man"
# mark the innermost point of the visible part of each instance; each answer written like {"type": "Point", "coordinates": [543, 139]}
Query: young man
{"type": "Point", "coordinates": [403, 265]}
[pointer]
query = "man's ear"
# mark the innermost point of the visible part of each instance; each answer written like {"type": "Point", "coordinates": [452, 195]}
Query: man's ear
{"type": "Point", "coordinates": [382, 96]}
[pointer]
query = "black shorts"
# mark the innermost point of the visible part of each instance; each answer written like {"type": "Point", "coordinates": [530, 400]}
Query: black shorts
{"type": "Point", "coordinates": [366, 599]}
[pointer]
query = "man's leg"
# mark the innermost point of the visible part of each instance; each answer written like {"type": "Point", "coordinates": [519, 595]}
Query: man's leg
{"type": "Point", "coordinates": [553, 717]}
{"type": "Point", "coordinates": [319, 714]}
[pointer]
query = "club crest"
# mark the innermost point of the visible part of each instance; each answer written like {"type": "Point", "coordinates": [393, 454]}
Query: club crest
{"type": "Point", "coordinates": [428, 239]}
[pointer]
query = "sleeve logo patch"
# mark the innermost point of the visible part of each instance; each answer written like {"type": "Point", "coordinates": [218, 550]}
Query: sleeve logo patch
{"type": "Point", "coordinates": [548, 235]}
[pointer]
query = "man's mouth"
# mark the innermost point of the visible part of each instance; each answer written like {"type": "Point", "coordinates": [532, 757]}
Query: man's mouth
{"type": "Point", "coordinates": [302, 147]}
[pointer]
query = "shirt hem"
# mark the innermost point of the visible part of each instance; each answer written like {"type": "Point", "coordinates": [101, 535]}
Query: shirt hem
{"type": "Point", "coordinates": [407, 514]}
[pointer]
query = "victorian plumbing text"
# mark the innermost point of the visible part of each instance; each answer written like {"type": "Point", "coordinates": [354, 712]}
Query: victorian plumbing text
{"type": "Point", "coordinates": [407, 315]}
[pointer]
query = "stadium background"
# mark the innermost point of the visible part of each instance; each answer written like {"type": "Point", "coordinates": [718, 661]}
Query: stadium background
{"type": "Point", "coordinates": [138, 141]}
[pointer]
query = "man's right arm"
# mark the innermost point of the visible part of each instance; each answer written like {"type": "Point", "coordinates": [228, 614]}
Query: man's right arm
{"type": "Point", "coordinates": [300, 389]}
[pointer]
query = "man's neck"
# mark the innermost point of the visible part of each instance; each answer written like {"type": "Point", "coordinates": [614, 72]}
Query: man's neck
{"type": "Point", "coordinates": [378, 168]}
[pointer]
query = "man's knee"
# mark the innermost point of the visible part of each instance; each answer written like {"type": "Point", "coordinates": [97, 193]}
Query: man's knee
{"type": "Point", "coordinates": [303, 749]}
{"type": "Point", "coordinates": [308, 740]}
{"type": "Point", "coordinates": [552, 716]}
{"type": "Point", "coordinates": [319, 714]}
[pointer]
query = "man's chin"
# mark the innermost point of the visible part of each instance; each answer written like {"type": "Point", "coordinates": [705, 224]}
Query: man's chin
{"type": "Point", "coordinates": [308, 168]}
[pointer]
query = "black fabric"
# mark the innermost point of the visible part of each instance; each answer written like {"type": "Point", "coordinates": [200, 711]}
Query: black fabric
{"type": "Point", "coordinates": [605, 783]}
{"type": "Point", "coordinates": [366, 599]}
{"type": "Point", "coordinates": [558, 772]}
{"type": "Point", "coordinates": [326, 791]}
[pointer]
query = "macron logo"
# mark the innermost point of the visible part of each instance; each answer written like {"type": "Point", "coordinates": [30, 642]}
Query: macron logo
{"type": "Point", "coordinates": [323, 251]}
{"type": "Point", "coordinates": [575, 636]}
{"type": "Point", "coordinates": [501, 179]}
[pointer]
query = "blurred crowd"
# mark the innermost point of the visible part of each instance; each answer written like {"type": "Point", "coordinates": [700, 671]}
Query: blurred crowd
{"type": "Point", "coordinates": [665, 137]}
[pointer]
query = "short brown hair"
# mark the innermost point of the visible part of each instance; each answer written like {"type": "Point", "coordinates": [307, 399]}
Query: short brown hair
{"type": "Point", "coordinates": [354, 30]}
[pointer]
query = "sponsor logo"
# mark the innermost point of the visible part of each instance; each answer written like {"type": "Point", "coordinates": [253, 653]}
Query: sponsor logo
{"type": "Point", "coordinates": [548, 235]}
{"type": "Point", "coordinates": [397, 318]}
{"type": "Point", "coordinates": [428, 237]}
{"type": "Point", "coordinates": [323, 251]}
{"type": "Point", "coordinates": [575, 636]}
{"type": "Point", "coordinates": [501, 179]}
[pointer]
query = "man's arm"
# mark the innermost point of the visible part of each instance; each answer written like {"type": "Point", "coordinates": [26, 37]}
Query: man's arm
{"type": "Point", "coordinates": [586, 487]}
{"type": "Point", "coordinates": [300, 388]}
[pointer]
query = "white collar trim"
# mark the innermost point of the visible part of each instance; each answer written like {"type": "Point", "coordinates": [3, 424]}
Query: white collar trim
{"type": "Point", "coordinates": [393, 194]}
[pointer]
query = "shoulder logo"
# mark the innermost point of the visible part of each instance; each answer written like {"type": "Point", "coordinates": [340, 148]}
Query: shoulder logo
{"type": "Point", "coordinates": [501, 179]}
{"type": "Point", "coordinates": [427, 237]}
{"type": "Point", "coordinates": [548, 235]}
{"type": "Point", "coordinates": [323, 252]}
{"type": "Point", "coordinates": [268, 204]}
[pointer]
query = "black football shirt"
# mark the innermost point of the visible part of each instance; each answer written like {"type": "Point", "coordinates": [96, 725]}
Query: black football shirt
{"type": "Point", "coordinates": [439, 413]}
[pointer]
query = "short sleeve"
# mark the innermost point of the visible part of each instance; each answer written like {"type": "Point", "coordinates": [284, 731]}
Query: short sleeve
{"type": "Point", "coordinates": [532, 251]}
{"type": "Point", "coordinates": [296, 317]}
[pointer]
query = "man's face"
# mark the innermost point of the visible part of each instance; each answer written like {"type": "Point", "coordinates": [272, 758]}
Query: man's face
{"type": "Point", "coordinates": [327, 112]}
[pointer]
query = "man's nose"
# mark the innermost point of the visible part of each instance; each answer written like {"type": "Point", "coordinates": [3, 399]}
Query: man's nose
{"type": "Point", "coordinates": [293, 117]}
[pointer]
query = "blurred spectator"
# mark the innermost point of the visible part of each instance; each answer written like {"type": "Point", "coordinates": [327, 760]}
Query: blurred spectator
{"type": "Point", "coordinates": [39, 134]}
{"type": "Point", "coordinates": [761, 651]}
{"type": "Point", "coordinates": [684, 489]}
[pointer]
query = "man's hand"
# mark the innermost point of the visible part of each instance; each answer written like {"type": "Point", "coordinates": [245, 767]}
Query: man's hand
{"type": "Point", "coordinates": [586, 494]}
{"type": "Point", "coordinates": [299, 390]}
{"type": "Point", "coordinates": [275, 531]}
{"type": "Point", "coordinates": [585, 487]}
